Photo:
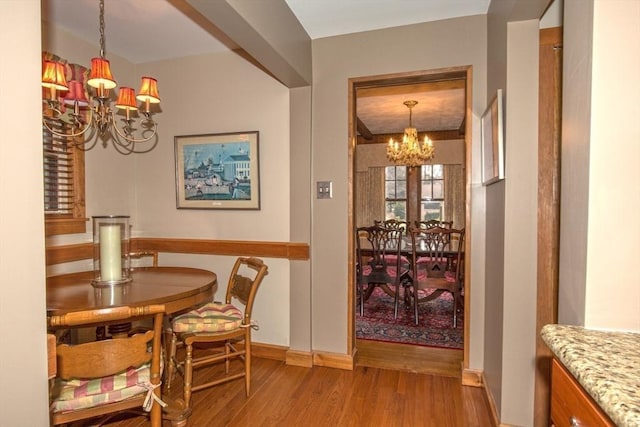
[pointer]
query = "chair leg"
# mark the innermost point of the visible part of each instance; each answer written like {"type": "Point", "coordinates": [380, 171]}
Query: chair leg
{"type": "Point", "coordinates": [171, 361]}
{"type": "Point", "coordinates": [247, 365]}
{"type": "Point", "coordinates": [415, 304]}
{"type": "Point", "coordinates": [455, 310]}
{"type": "Point", "coordinates": [188, 374]}
{"type": "Point", "coordinates": [396, 301]}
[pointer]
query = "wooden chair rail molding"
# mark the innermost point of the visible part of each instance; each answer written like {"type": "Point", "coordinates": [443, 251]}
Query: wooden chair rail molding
{"type": "Point", "coordinates": [289, 250]}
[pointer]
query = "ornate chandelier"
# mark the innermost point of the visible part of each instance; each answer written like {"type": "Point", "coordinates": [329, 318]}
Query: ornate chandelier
{"type": "Point", "coordinates": [410, 152]}
{"type": "Point", "coordinates": [77, 114]}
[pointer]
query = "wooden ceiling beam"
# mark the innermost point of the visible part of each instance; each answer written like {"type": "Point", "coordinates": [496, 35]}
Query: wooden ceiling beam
{"type": "Point", "coordinates": [363, 130]}
{"type": "Point", "coordinates": [408, 89]}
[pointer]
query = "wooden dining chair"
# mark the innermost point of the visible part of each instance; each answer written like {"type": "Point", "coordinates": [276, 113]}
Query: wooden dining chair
{"type": "Point", "coordinates": [218, 323]}
{"type": "Point", "coordinates": [434, 223]}
{"type": "Point", "coordinates": [392, 223]}
{"type": "Point", "coordinates": [379, 262]}
{"type": "Point", "coordinates": [152, 256]}
{"type": "Point", "coordinates": [436, 266]}
{"type": "Point", "coordinates": [110, 376]}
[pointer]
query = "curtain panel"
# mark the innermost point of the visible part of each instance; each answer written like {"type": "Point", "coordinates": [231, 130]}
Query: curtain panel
{"type": "Point", "coordinates": [454, 195]}
{"type": "Point", "coordinates": [369, 196]}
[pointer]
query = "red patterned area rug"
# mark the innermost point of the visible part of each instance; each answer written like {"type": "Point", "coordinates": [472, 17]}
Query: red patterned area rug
{"type": "Point", "coordinates": [434, 329]}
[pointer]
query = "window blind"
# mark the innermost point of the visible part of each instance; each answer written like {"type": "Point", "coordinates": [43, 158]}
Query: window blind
{"type": "Point", "coordinates": [58, 171]}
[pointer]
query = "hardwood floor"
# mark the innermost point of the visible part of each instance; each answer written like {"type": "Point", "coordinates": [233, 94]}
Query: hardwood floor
{"type": "Point", "coordinates": [412, 358]}
{"type": "Point", "coordinates": [284, 395]}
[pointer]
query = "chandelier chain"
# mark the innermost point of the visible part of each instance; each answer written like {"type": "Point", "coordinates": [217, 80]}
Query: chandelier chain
{"type": "Point", "coordinates": [101, 22]}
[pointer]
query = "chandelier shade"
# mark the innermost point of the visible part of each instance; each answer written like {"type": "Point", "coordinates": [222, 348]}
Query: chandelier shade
{"type": "Point", "coordinates": [96, 113]}
{"type": "Point", "coordinates": [53, 77]}
{"type": "Point", "coordinates": [126, 99]}
{"type": "Point", "coordinates": [76, 95]}
{"type": "Point", "coordinates": [101, 77]}
{"type": "Point", "coordinates": [149, 91]}
{"type": "Point", "coordinates": [410, 151]}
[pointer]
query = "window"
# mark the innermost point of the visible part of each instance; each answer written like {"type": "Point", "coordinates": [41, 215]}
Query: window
{"type": "Point", "coordinates": [395, 192]}
{"type": "Point", "coordinates": [432, 192]}
{"type": "Point", "coordinates": [427, 185]}
{"type": "Point", "coordinates": [63, 167]}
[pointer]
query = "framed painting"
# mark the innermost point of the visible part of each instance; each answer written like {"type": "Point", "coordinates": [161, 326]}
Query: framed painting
{"type": "Point", "coordinates": [492, 148]}
{"type": "Point", "coordinates": [218, 171]}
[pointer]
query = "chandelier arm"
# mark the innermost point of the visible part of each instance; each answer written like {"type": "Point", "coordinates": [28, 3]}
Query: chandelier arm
{"type": "Point", "coordinates": [131, 139]}
{"type": "Point", "coordinates": [127, 149]}
{"type": "Point", "coordinates": [124, 144]}
{"type": "Point", "coordinates": [84, 145]}
{"type": "Point", "coordinates": [67, 135]}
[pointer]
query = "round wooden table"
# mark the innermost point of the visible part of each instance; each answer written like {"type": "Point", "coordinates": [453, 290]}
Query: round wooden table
{"type": "Point", "coordinates": [178, 288]}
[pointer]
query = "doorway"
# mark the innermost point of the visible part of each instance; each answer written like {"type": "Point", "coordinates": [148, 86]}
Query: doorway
{"type": "Point", "coordinates": [417, 358]}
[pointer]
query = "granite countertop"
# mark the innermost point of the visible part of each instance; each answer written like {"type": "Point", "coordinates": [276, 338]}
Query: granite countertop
{"type": "Point", "coordinates": [606, 364]}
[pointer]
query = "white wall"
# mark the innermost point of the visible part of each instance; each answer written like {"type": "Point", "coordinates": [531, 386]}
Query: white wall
{"type": "Point", "coordinates": [448, 43]}
{"type": "Point", "coordinates": [520, 236]}
{"type": "Point", "coordinates": [23, 367]}
{"type": "Point", "coordinates": [511, 213]}
{"type": "Point", "coordinates": [574, 197]}
{"type": "Point", "coordinates": [201, 94]}
{"type": "Point", "coordinates": [613, 158]}
{"type": "Point", "coordinates": [300, 217]}
{"type": "Point", "coordinates": [214, 94]}
{"type": "Point", "coordinates": [598, 286]}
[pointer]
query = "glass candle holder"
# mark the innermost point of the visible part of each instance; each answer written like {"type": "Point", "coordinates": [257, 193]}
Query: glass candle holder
{"type": "Point", "coordinates": [112, 295]}
{"type": "Point", "coordinates": [110, 250]}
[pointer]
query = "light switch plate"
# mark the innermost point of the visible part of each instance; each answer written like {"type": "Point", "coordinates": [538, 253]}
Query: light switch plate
{"type": "Point", "coordinates": [323, 190]}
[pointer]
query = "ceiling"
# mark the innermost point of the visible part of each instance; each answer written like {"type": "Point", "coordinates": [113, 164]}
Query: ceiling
{"type": "Point", "coordinates": [150, 30]}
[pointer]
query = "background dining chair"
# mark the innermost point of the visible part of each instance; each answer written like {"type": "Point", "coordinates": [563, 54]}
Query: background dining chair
{"type": "Point", "coordinates": [151, 256]}
{"type": "Point", "coordinates": [109, 376]}
{"type": "Point", "coordinates": [218, 323]}
{"type": "Point", "coordinates": [392, 223]}
{"type": "Point", "coordinates": [379, 262]}
{"type": "Point", "coordinates": [434, 223]}
{"type": "Point", "coordinates": [436, 266]}
{"type": "Point", "coordinates": [395, 224]}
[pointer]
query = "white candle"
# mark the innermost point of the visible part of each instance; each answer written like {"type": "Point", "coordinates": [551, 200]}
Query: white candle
{"type": "Point", "coordinates": [110, 253]}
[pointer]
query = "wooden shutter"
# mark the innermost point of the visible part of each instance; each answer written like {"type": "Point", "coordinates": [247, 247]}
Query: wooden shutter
{"type": "Point", "coordinates": [58, 171]}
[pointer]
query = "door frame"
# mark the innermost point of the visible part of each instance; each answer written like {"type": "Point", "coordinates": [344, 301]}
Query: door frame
{"type": "Point", "coordinates": [413, 77]}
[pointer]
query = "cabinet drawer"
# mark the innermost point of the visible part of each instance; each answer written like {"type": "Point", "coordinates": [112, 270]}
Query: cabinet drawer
{"type": "Point", "coordinates": [571, 406]}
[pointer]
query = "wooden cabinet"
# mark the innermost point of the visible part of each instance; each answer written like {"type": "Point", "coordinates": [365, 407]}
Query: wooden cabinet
{"type": "Point", "coordinates": [571, 406]}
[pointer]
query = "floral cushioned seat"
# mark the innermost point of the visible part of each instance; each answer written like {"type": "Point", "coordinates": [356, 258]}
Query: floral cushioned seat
{"type": "Point", "coordinates": [212, 317]}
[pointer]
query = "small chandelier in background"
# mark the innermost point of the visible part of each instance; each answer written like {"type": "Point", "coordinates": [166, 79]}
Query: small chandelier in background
{"type": "Point", "coordinates": [80, 114]}
{"type": "Point", "coordinates": [410, 152]}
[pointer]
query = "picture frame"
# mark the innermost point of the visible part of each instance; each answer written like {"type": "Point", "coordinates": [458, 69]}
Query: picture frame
{"type": "Point", "coordinates": [218, 171]}
{"type": "Point", "coordinates": [492, 142]}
